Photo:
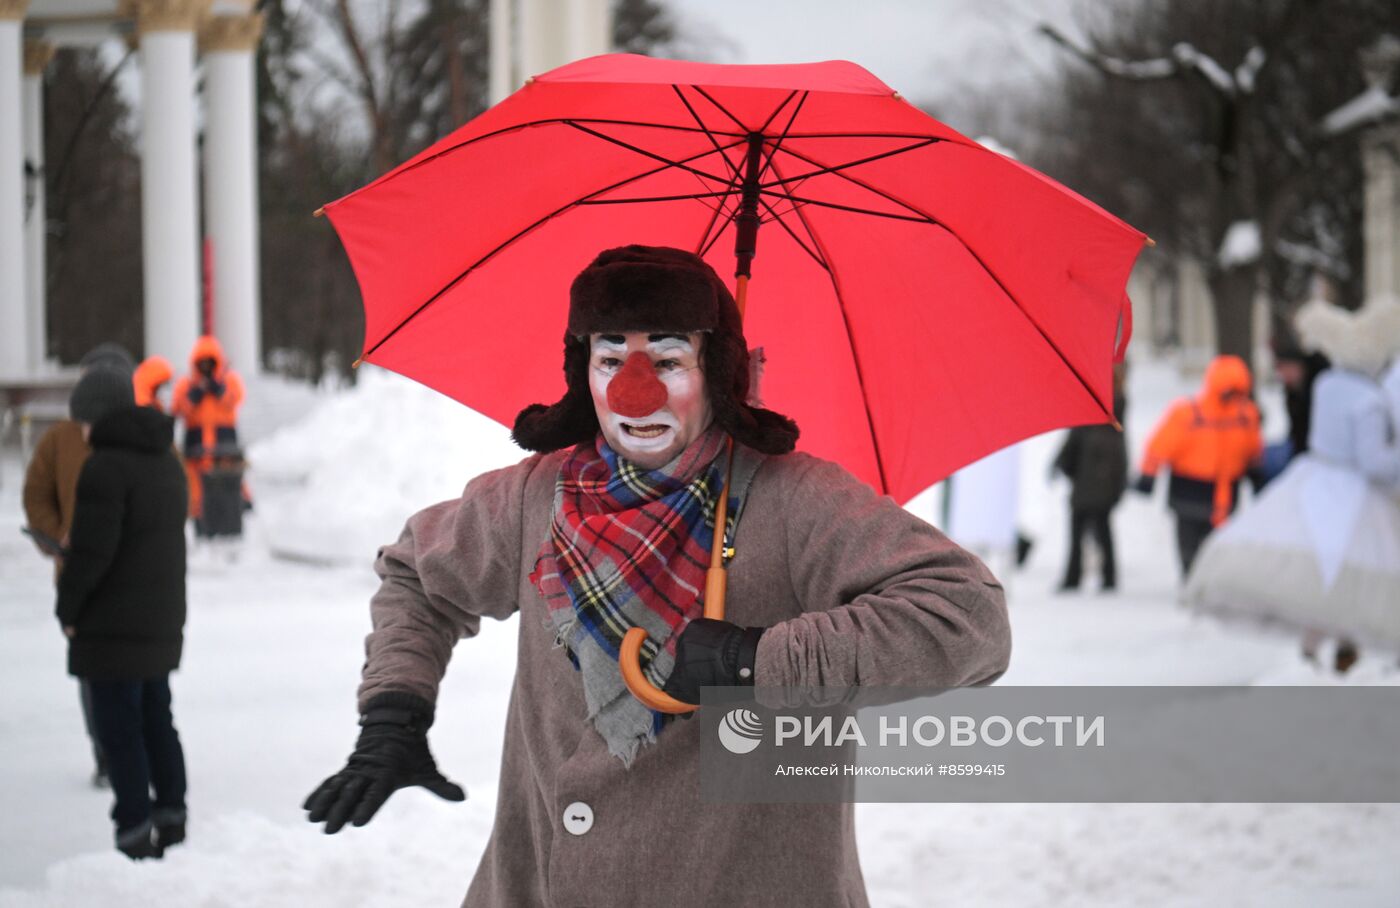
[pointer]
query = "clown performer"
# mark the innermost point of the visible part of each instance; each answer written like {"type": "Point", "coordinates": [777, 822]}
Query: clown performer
{"type": "Point", "coordinates": [1319, 550]}
{"type": "Point", "coordinates": [607, 527]}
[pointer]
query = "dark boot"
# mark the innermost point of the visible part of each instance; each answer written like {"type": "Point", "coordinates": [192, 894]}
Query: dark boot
{"type": "Point", "coordinates": [170, 826]}
{"type": "Point", "coordinates": [138, 843]}
{"type": "Point", "coordinates": [1346, 656]}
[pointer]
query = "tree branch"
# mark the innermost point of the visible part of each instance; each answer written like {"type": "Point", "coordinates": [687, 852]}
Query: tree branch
{"type": "Point", "coordinates": [1133, 70]}
{"type": "Point", "coordinates": [1185, 58]}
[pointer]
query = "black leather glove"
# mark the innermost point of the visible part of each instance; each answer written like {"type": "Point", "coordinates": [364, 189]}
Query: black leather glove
{"type": "Point", "coordinates": [711, 653]}
{"type": "Point", "coordinates": [214, 387]}
{"type": "Point", "coordinates": [1144, 483]}
{"type": "Point", "coordinates": [391, 753]}
{"type": "Point", "coordinates": [195, 394]}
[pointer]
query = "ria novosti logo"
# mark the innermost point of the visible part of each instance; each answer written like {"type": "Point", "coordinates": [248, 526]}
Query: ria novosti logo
{"type": "Point", "coordinates": [740, 731]}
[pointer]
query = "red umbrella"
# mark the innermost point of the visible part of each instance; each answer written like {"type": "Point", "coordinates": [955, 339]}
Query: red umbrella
{"type": "Point", "coordinates": [925, 301]}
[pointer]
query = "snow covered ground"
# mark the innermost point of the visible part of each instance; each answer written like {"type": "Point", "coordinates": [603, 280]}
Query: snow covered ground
{"type": "Point", "coordinates": [265, 706]}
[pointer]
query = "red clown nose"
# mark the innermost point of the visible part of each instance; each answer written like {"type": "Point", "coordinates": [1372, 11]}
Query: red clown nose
{"type": "Point", "coordinates": [635, 390]}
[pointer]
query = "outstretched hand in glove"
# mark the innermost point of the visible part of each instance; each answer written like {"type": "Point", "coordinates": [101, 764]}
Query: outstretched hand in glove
{"type": "Point", "coordinates": [391, 753]}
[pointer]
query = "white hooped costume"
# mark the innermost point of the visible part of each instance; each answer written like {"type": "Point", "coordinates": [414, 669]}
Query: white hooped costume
{"type": "Point", "coordinates": [1319, 549]}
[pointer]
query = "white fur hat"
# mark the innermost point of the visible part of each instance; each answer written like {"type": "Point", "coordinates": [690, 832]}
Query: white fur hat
{"type": "Point", "coordinates": [1363, 341]}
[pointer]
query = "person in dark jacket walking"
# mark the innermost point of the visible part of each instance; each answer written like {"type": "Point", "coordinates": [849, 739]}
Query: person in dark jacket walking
{"type": "Point", "coordinates": [1095, 460]}
{"type": "Point", "coordinates": [51, 490]}
{"type": "Point", "coordinates": [121, 603]}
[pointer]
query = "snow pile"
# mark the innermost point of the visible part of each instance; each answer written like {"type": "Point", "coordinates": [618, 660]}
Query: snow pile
{"type": "Point", "coordinates": [341, 482]}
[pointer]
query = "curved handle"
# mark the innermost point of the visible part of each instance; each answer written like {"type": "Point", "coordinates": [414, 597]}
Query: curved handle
{"type": "Point", "coordinates": [651, 696]}
{"type": "Point", "coordinates": [716, 585]}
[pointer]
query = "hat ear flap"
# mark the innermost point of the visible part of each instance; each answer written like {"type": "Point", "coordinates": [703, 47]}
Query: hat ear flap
{"type": "Point", "coordinates": [727, 379]}
{"type": "Point", "coordinates": [569, 422]}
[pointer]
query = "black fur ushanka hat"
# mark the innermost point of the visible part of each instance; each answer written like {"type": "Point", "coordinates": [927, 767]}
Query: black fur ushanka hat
{"type": "Point", "coordinates": [661, 291]}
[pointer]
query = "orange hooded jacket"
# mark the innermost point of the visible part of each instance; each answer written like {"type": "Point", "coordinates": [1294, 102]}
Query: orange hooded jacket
{"type": "Point", "coordinates": [153, 372]}
{"type": "Point", "coordinates": [1212, 438]}
{"type": "Point", "coordinates": [203, 412]}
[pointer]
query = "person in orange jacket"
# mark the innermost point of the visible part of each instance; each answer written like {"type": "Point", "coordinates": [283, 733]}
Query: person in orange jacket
{"type": "Point", "coordinates": [149, 378]}
{"type": "Point", "coordinates": [1209, 442]}
{"type": "Point", "coordinates": [207, 401]}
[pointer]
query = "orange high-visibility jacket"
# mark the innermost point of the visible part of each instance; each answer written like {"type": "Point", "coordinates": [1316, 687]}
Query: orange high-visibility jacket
{"type": "Point", "coordinates": [211, 413]}
{"type": "Point", "coordinates": [1210, 438]}
{"type": "Point", "coordinates": [153, 372]}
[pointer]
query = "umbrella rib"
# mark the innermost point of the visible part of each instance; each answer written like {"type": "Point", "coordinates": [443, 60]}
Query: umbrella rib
{"type": "Point", "coordinates": [527, 229]}
{"type": "Point", "coordinates": [722, 109]}
{"type": "Point", "coordinates": [805, 226]}
{"type": "Point", "coordinates": [706, 241]}
{"type": "Point", "coordinates": [795, 199]}
{"type": "Point", "coordinates": [970, 251]}
{"type": "Point", "coordinates": [850, 338]}
{"type": "Point", "coordinates": [656, 198]}
{"type": "Point", "coordinates": [734, 178]}
{"type": "Point", "coordinates": [786, 129]}
{"type": "Point", "coordinates": [515, 127]}
{"type": "Point", "coordinates": [733, 168]}
{"type": "Point", "coordinates": [837, 168]}
{"type": "Point", "coordinates": [795, 238]}
{"type": "Point", "coordinates": [777, 110]}
{"type": "Point", "coordinates": [883, 135]}
{"type": "Point", "coordinates": [651, 154]}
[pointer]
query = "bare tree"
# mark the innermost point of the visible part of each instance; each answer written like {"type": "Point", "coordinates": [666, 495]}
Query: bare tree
{"type": "Point", "coordinates": [1200, 123]}
{"type": "Point", "coordinates": [93, 217]}
{"type": "Point", "coordinates": [347, 90]}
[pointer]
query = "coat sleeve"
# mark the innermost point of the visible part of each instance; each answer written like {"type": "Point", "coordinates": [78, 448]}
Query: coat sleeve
{"type": "Point", "coordinates": [41, 502]}
{"type": "Point", "coordinates": [1164, 446]}
{"type": "Point", "coordinates": [887, 599]}
{"type": "Point", "coordinates": [93, 541]}
{"type": "Point", "coordinates": [1067, 461]}
{"type": "Point", "coordinates": [233, 395]}
{"type": "Point", "coordinates": [455, 563]}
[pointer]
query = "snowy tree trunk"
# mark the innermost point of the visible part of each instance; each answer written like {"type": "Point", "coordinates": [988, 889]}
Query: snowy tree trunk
{"type": "Point", "coordinates": [1232, 293]}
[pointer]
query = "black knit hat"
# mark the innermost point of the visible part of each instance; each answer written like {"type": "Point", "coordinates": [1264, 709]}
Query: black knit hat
{"type": "Point", "coordinates": [109, 356]}
{"type": "Point", "coordinates": [658, 290]}
{"type": "Point", "coordinates": [100, 391]}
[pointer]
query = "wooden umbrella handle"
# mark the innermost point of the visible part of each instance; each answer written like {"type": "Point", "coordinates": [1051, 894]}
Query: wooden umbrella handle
{"type": "Point", "coordinates": [716, 586]}
{"type": "Point", "coordinates": [651, 696]}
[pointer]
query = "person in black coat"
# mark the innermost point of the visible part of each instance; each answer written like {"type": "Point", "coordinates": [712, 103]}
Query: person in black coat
{"type": "Point", "coordinates": [121, 603]}
{"type": "Point", "coordinates": [1095, 459]}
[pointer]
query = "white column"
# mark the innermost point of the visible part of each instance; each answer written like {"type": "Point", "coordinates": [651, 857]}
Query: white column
{"type": "Point", "coordinates": [37, 55]}
{"type": "Point", "coordinates": [542, 36]}
{"type": "Point", "coordinates": [502, 78]}
{"type": "Point", "coordinates": [169, 212]}
{"type": "Point", "coordinates": [231, 184]}
{"type": "Point", "coordinates": [14, 332]}
{"type": "Point", "coordinates": [577, 29]}
{"type": "Point", "coordinates": [599, 27]}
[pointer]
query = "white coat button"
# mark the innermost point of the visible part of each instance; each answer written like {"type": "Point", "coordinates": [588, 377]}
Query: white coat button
{"type": "Point", "coordinates": [578, 818]}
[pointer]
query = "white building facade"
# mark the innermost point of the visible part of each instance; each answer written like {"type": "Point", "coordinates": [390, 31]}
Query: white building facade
{"type": "Point", "coordinates": [190, 239]}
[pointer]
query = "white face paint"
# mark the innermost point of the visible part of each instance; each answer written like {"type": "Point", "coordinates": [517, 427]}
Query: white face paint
{"type": "Point", "coordinates": [671, 391]}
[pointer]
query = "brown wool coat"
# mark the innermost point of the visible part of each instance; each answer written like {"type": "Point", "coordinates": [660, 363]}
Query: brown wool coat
{"type": "Point", "coordinates": [854, 589]}
{"type": "Point", "coordinates": [51, 480]}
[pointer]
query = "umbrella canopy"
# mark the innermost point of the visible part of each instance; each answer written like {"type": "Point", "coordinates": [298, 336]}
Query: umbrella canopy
{"type": "Point", "coordinates": [921, 300]}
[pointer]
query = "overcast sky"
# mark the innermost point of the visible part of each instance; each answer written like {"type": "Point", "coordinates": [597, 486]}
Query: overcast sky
{"type": "Point", "coordinates": [925, 49]}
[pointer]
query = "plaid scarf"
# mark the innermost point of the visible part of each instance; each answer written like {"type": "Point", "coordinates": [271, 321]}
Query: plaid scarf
{"type": "Point", "coordinates": [629, 548]}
